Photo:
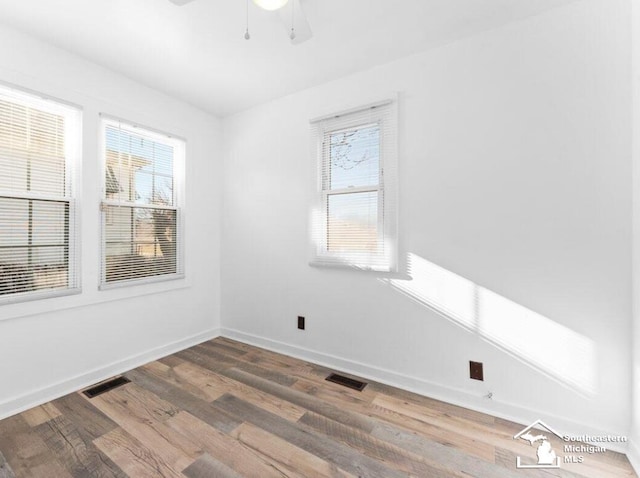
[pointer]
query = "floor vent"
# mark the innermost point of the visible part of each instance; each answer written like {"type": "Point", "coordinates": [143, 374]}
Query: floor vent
{"type": "Point", "coordinates": [346, 381]}
{"type": "Point", "coordinates": [106, 386]}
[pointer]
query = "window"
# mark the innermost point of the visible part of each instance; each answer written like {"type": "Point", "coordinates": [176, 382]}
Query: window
{"type": "Point", "coordinates": [39, 149]}
{"type": "Point", "coordinates": [141, 217]}
{"type": "Point", "coordinates": [355, 223]}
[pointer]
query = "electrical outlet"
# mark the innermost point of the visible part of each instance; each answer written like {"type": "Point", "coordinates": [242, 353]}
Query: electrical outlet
{"type": "Point", "coordinates": [301, 322]}
{"type": "Point", "coordinates": [476, 371]}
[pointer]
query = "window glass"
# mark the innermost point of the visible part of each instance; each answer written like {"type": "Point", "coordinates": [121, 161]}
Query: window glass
{"type": "Point", "coordinates": [355, 157]}
{"type": "Point", "coordinates": [141, 233]}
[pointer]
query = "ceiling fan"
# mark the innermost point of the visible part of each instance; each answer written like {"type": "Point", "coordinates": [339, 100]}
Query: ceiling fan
{"type": "Point", "coordinates": [292, 17]}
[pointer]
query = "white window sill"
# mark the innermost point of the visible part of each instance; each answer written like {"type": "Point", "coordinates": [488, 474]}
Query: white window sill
{"type": "Point", "coordinates": [36, 296]}
{"type": "Point", "coordinates": [353, 267]}
{"type": "Point", "coordinates": [134, 282]}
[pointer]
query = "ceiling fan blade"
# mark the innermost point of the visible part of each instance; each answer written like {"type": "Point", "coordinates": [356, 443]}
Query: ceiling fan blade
{"type": "Point", "coordinates": [301, 25]}
{"type": "Point", "coordinates": [180, 2]}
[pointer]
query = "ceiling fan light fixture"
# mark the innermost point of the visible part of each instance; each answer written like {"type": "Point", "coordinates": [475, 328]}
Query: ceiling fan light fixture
{"type": "Point", "coordinates": [270, 4]}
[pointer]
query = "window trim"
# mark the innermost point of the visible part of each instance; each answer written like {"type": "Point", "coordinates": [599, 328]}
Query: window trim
{"type": "Point", "coordinates": [73, 130]}
{"type": "Point", "coordinates": [179, 165]}
{"type": "Point", "coordinates": [380, 113]}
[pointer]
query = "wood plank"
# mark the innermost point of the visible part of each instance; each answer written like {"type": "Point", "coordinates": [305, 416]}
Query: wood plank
{"type": "Point", "coordinates": [78, 454]}
{"type": "Point", "coordinates": [170, 360]}
{"type": "Point", "coordinates": [289, 365]}
{"type": "Point", "coordinates": [208, 467]}
{"type": "Point", "coordinates": [169, 375]}
{"type": "Point", "coordinates": [287, 454]}
{"type": "Point", "coordinates": [142, 415]}
{"type": "Point", "coordinates": [434, 451]}
{"type": "Point", "coordinates": [398, 423]}
{"type": "Point", "coordinates": [5, 468]}
{"type": "Point", "coordinates": [475, 446]}
{"type": "Point", "coordinates": [302, 400]}
{"type": "Point", "coordinates": [224, 449]}
{"type": "Point", "coordinates": [138, 401]}
{"type": "Point", "coordinates": [218, 356]}
{"type": "Point", "coordinates": [206, 361]}
{"type": "Point", "coordinates": [87, 419]}
{"type": "Point", "coordinates": [217, 385]}
{"type": "Point", "coordinates": [39, 415]}
{"type": "Point", "coordinates": [334, 393]}
{"type": "Point", "coordinates": [185, 401]}
{"type": "Point", "coordinates": [267, 374]}
{"type": "Point", "coordinates": [222, 358]}
{"type": "Point", "coordinates": [444, 430]}
{"type": "Point", "coordinates": [133, 457]}
{"type": "Point", "coordinates": [224, 348]}
{"type": "Point", "coordinates": [307, 439]}
{"type": "Point", "coordinates": [25, 451]}
{"type": "Point", "coordinates": [234, 343]}
{"type": "Point", "coordinates": [432, 403]}
{"type": "Point", "coordinates": [375, 448]}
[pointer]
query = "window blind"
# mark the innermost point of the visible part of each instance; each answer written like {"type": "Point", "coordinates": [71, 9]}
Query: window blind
{"type": "Point", "coordinates": [141, 217]}
{"type": "Point", "coordinates": [39, 149]}
{"type": "Point", "coordinates": [354, 222]}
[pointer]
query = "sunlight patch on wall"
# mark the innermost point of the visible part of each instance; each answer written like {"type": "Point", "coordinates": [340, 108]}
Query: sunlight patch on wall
{"type": "Point", "coordinates": [547, 346]}
{"type": "Point", "coordinates": [442, 290]}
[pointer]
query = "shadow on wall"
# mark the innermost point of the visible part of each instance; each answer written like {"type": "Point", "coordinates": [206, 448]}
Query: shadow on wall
{"type": "Point", "coordinates": [544, 345]}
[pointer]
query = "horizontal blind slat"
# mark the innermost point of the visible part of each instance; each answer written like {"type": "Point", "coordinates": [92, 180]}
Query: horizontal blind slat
{"type": "Point", "coordinates": [38, 228]}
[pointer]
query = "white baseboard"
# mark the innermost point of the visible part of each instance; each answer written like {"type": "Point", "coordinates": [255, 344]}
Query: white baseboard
{"type": "Point", "coordinates": [51, 392]}
{"type": "Point", "coordinates": [454, 396]}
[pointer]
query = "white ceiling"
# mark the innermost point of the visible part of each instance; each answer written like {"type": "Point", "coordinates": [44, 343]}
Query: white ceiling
{"type": "Point", "coordinates": [197, 52]}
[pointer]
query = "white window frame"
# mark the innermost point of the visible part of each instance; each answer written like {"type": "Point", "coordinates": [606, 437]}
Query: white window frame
{"type": "Point", "coordinates": [383, 114]}
{"type": "Point", "coordinates": [179, 147]}
{"type": "Point", "coordinates": [73, 152]}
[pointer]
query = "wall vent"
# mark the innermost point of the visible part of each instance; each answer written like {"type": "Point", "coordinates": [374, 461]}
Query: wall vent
{"type": "Point", "coordinates": [106, 386]}
{"type": "Point", "coordinates": [346, 381]}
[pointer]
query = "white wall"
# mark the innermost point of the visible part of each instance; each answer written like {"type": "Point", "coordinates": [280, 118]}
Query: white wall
{"type": "Point", "coordinates": [634, 451]}
{"type": "Point", "coordinates": [514, 174]}
{"type": "Point", "coordinates": [54, 346]}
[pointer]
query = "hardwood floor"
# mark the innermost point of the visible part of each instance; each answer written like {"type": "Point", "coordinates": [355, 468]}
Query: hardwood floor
{"type": "Point", "coordinates": [226, 409]}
